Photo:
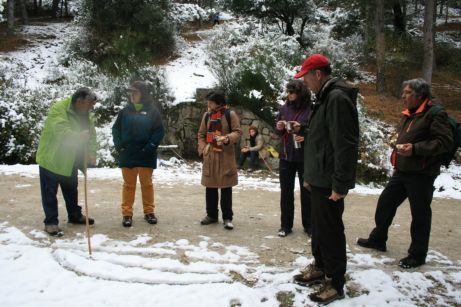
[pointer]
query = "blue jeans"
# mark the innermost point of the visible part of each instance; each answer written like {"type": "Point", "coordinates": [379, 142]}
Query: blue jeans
{"type": "Point", "coordinates": [49, 183]}
{"type": "Point", "coordinates": [254, 156]}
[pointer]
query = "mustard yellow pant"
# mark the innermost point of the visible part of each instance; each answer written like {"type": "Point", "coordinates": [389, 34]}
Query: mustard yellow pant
{"type": "Point", "coordinates": [130, 176]}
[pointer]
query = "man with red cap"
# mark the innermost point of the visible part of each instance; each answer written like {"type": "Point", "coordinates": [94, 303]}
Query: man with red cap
{"type": "Point", "coordinates": [330, 161]}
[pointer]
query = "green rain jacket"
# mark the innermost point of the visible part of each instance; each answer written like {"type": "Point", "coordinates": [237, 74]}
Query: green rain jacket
{"type": "Point", "coordinates": [60, 140]}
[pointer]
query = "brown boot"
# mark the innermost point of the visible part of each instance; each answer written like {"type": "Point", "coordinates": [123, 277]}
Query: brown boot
{"type": "Point", "coordinates": [53, 230]}
{"type": "Point", "coordinates": [310, 275]}
{"type": "Point", "coordinates": [326, 294]}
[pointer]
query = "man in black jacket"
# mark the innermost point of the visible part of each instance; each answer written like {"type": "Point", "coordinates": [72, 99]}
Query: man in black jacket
{"type": "Point", "coordinates": [330, 159]}
{"type": "Point", "coordinates": [423, 136]}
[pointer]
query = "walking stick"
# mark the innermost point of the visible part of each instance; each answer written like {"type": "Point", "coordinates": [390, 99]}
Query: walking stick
{"type": "Point", "coordinates": [265, 162]}
{"type": "Point", "coordinates": [85, 168]}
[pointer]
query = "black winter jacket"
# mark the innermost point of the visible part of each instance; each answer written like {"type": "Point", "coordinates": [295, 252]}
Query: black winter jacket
{"type": "Point", "coordinates": [332, 140]}
{"type": "Point", "coordinates": [430, 134]}
{"type": "Point", "coordinates": [136, 136]}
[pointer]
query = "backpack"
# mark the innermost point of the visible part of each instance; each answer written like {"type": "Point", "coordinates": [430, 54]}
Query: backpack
{"type": "Point", "coordinates": [227, 113]}
{"type": "Point", "coordinates": [447, 157]}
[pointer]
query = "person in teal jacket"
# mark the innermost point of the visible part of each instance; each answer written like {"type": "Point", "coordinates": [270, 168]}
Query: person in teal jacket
{"type": "Point", "coordinates": [137, 132]}
{"type": "Point", "coordinates": [68, 135]}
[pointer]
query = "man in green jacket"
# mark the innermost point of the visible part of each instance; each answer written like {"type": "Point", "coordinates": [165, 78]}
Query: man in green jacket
{"type": "Point", "coordinates": [67, 137]}
{"type": "Point", "coordinates": [330, 162]}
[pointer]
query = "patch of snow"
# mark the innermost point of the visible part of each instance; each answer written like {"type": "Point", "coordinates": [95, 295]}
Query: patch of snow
{"type": "Point", "coordinates": [449, 185]}
{"type": "Point", "coordinates": [134, 276]}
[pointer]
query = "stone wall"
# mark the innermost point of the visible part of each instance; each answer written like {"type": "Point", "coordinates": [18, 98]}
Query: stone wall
{"type": "Point", "coordinates": [183, 120]}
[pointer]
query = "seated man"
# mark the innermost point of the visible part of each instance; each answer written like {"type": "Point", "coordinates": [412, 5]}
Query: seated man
{"type": "Point", "coordinates": [252, 150]}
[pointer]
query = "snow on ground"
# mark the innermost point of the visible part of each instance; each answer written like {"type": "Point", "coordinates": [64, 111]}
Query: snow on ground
{"type": "Point", "coordinates": [35, 60]}
{"type": "Point", "coordinates": [189, 72]}
{"type": "Point", "coordinates": [38, 271]}
{"type": "Point", "coordinates": [173, 171]}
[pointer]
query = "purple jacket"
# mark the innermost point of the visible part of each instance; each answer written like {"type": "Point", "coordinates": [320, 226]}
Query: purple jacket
{"type": "Point", "coordinates": [290, 112]}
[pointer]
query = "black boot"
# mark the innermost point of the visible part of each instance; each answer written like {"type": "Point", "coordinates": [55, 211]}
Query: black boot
{"type": "Point", "coordinates": [127, 221]}
{"type": "Point", "coordinates": [150, 218]}
{"type": "Point", "coordinates": [368, 243]}
{"type": "Point", "coordinates": [81, 220]}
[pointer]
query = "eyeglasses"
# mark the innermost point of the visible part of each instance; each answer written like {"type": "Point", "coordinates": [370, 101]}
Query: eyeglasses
{"type": "Point", "coordinates": [291, 92]}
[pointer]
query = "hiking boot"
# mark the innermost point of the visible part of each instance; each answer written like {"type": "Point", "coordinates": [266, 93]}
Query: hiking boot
{"type": "Point", "coordinates": [127, 221]}
{"type": "Point", "coordinates": [368, 243]}
{"type": "Point", "coordinates": [310, 275]}
{"type": "Point", "coordinates": [53, 230]}
{"type": "Point", "coordinates": [308, 231]}
{"type": "Point", "coordinates": [326, 294]}
{"type": "Point", "coordinates": [228, 224]}
{"type": "Point", "coordinates": [283, 233]}
{"type": "Point", "coordinates": [81, 220]}
{"type": "Point", "coordinates": [150, 218]}
{"type": "Point", "coordinates": [410, 262]}
{"type": "Point", "coordinates": [208, 220]}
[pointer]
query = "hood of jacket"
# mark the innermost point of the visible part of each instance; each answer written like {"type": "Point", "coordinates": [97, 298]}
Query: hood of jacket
{"type": "Point", "coordinates": [337, 83]}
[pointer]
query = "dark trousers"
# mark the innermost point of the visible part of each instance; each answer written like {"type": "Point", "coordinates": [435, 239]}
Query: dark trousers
{"type": "Point", "coordinates": [49, 183]}
{"type": "Point", "coordinates": [254, 156]}
{"type": "Point", "coordinates": [212, 203]}
{"type": "Point", "coordinates": [328, 238]}
{"type": "Point", "coordinates": [287, 176]}
{"type": "Point", "coordinates": [419, 190]}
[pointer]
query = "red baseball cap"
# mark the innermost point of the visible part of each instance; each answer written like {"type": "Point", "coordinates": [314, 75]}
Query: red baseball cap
{"type": "Point", "coordinates": [315, 61]}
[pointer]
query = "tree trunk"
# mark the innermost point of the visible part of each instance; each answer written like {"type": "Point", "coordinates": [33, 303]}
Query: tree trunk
{"type": "Point", "coordinates": [429, 28]}
{"type": "Point", "coordinates": [380, 47]}
{"type": "Point", "coordinates": [25, 18]}
{"type": "Point", "coordinates": [289, 30]}
{"type": "Point", "coordinates": [399, 21]}
{"type": "Point", "coordinates": [54, 8]}
{"type": "Point", "coordinates": [369, 11]}
{"type": "Point", "coordinates": [446, 12]}
{"type": "Point", "coordinates": [404, 8]}
{"type": "Point", "coordinates": [301, 31]}
{"type": "Point", "coordinates": [10, 16]}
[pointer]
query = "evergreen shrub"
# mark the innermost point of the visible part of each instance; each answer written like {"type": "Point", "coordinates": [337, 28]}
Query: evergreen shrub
{"type": "Point", "coordinates": [23, 110]}
{"type": "Point", "coordinates": [253, 68]}
{"type": "Point", "coordinates": [126, 34]}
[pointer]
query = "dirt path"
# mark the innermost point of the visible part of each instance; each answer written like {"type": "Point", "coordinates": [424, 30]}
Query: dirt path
{"type": "Point", "coordinates": [256, 219]}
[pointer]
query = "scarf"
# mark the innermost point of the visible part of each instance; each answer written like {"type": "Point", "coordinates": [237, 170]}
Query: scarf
{"type": "Point", "coordinates": [214, 127]}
